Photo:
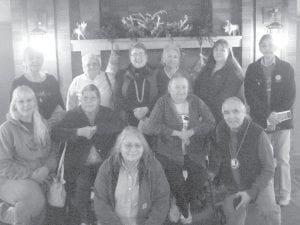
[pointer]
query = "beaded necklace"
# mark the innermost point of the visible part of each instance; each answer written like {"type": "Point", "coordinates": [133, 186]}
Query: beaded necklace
{"type": "Point", "coordinates": [234, 162]}
{"type": "Point", "coordinates": [140, 100]}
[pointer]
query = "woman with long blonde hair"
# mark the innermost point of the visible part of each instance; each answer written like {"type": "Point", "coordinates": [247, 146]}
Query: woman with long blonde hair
{"type": "Point", "coordinates": [26, 159]}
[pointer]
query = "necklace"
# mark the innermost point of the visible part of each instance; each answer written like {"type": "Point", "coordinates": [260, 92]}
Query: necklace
{"type": "Point", "coordinates": [234, 162]}
{"type": "Point", "coordinates": [170, 73]}
{"type": "Point", "coordinates": [137, 91]}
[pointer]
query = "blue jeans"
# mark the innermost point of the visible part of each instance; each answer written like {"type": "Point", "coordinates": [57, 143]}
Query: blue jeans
{"type": "Point", "coordinates": [268, 212]}
{"type": "Point", "coordinates": [281, 141]}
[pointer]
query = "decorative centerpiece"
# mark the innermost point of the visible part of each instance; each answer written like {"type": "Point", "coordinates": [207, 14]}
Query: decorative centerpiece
{"type": "Point", "coordinates": [139, 25]}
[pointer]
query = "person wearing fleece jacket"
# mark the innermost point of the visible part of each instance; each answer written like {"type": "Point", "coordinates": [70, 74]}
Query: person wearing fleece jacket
{"type": "Point", "coordinates": [246, 166]}
{"type": "Point", "coordinates": [90, 130]}
{"type": "Point", "coordinates": [131, 187]}
{"type": "Point", "coordinates": [26, 160]}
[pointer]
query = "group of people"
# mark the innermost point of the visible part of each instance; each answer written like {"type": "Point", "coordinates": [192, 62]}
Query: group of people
{"type": "Point", "coordinates": [146, 140]}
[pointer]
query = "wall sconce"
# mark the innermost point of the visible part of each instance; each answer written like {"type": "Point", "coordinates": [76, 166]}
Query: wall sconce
{"type": "Point", "coordinates": [40, 19]}
{"type": "Point", "coordinates": [272, 20]}
{"type": "Point", "coordinates": [38, 36]}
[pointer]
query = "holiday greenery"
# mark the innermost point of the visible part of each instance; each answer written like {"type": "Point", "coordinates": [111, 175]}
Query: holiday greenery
{"type": "Point", "coordinates": [139, 25]}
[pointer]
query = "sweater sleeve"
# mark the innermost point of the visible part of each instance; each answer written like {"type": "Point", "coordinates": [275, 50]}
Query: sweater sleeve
{"type": "Point", "coordinates": [50, 160]}
{"type": "Point", "coordinates": [64, 130]}
{"type": "Point", "coordinates": [160, 198]}
{"type": "Point", "coordinates": [290, 93]}
{"type": "Point", "coordinates": [206, 121]}
{"type": "Point", "coordinates": [103, 208]}
{"type": "Point", "coordinates": [10, 167]}
{"type": "Point", "coordinates": [261, 111]}
{"type": "Point", "coordinates": [113, 124]}
{"type": "Point", "coordinates": [156, 124]}
{"type": "Point", "coordinates": [265, 153]}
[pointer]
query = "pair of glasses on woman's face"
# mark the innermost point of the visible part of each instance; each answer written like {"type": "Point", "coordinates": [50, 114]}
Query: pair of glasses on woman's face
{"type": "Point", "coordinates": [130, 145]}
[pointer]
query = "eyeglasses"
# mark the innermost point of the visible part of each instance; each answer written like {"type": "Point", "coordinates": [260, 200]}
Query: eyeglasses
{"type": "Point", "coordinates": [138, 54]}
{"type": "Point", "coordinates": [131, 145]}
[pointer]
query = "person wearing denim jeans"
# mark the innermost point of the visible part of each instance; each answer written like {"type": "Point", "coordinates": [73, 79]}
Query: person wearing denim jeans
{"type": "Point", "coordinates": [270, 92]}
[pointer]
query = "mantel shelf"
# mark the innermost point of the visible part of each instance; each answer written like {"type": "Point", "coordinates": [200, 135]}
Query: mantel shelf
{"type": "Point", "coordinates": [98, 45]}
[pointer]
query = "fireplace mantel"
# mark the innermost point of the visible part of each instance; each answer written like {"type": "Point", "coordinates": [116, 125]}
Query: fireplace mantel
{"type": "Point", "coordinates": [98, 45]}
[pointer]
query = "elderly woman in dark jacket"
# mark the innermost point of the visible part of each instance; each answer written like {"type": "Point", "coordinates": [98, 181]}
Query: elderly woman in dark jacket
{"type": "Point", "coordinates": [182, 122]}
{"type": "Point", "coordinates": [90, 130]}
{"type": "Point", "coordinates": [221, 78]}
{"type": "Point", "coordinates": [131, 187]}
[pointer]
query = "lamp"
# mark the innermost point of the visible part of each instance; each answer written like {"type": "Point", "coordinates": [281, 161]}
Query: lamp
{"type": "Point", "coordinates": [272, 20]}
{"type": "Point", "coordinates": [38, 36]}
{"type": "Point", "coordinates": [40, 23]}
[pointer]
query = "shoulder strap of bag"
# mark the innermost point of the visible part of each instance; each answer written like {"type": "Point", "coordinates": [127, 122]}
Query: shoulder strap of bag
{"type": "Point", "coordinates": [108, 81]}
{"type": "Point", "coordinates": [61, 167]}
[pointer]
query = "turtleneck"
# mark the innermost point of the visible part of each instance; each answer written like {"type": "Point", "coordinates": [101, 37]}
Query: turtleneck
{"type": "Point", "coordinates": [139, 71]}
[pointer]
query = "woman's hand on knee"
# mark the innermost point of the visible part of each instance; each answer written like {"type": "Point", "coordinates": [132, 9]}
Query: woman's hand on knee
{"type": "Point", "coordinates": [244, 199]}
{"type": "Point", "coordinates": [40, 174]}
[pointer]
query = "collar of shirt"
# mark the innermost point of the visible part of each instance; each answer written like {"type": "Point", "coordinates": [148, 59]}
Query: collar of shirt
{"type": "Point", "coordinates": [170, 74]}
{"type": "Point", "coordinates": [262, 61]}
{"type": "Point", "coordinates": [97, 77]}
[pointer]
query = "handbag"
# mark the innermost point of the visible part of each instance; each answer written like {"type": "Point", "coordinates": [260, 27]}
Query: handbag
{"type": "Point", "coordinates": [57, 193]}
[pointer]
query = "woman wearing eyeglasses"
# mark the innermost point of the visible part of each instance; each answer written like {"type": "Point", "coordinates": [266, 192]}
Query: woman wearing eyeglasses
{"type": "Point", "coordinates": [89, 130]}
{"type": "Point", "coordinates": [131, 187]}
{"type": "Point", "coordinates": [136, 87]}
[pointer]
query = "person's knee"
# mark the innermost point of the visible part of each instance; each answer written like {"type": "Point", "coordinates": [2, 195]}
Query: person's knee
{"type": "Point", "coordinates": [26, 197]}
{"type": "Point", "coordinates": [31, 197]}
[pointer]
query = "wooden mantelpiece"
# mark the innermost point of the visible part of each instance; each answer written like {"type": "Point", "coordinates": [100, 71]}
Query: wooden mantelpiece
{"type": "Point", "coordinates": [98, 45]}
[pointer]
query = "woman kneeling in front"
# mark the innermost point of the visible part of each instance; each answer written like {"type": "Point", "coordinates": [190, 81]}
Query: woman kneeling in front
{"type": "Point", "coordinates": [131, 187]}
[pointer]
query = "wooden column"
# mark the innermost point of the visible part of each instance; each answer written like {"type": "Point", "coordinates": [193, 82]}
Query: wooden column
{"type": "Point", "coordinates": [19, 33]}
{"type": "Point", "coordinates": [296, 132]}
{"type": "Point", "coordinates": [248, 33]}
{"type": "Point", "coordinates": [63, 50]}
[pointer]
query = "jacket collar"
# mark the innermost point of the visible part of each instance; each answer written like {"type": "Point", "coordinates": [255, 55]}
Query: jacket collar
{"type": "Point", "coordinates": [241, 130]}
{"type": "Point", "coordinates": [258, 65]}
{"type": "Point", "coordinates": [16, 122]}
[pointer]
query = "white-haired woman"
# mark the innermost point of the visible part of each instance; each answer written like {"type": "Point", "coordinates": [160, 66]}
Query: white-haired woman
{"type": "Point", "coordinates": [26, 159]}
{"type": "Point", "coordinates": [131, 187]}
{"type": "Point", "coordinates": [170, 60]}
{"type": "Point", "coordinates": [92, 74]}
{"type": "Point", "coordinates": [182, 122]}
{"type": "Point", "coordinates": [45, 86]}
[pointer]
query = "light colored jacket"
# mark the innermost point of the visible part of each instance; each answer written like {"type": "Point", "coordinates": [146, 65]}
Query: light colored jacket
{"type": "Point", "coordinates": [101, 81]}
{"type": "Point", "coordinates": [19, 154]}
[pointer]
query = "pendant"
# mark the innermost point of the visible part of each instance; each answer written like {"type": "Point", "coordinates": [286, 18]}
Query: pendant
{"type": "Point", "coordinates": [235, 163]}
